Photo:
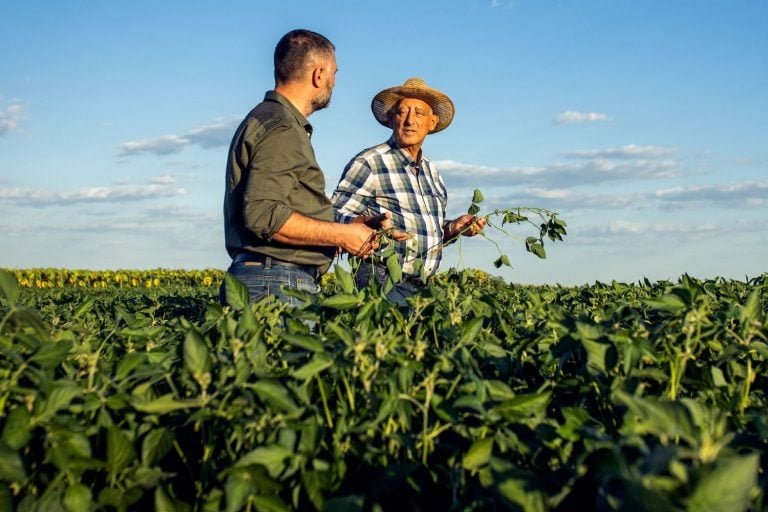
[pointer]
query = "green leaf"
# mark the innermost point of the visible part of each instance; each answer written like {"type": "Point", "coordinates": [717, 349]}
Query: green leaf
{"type": "Point", "coordinates": [343, 332]}
{"type": "Point", "coordinates": [718, 378]}
{"type": "Point", "coordinates": [341, 301]}
{"type": "Point", "coordinates": [78, 498]}
{"type": "Point", "coordinates": [17, 430]}
{"type": "Point", "coordinates": [275, 394]}
{"type": "Point", "coordinates": [165, 404]}
{"type": "Point", "coordinates": [519, 490]}
{"type": "Point", "coordinates": [196, 357]}
{"type": "Point", "coordinates": [9, 288]}
{"type": "Point", "coordinates": [499, 390]}
{"type": "Point", "coordinates": [393, 267]}
{"type": "Point", "coordinates": [236, 293]}
{"type": "Point", "coordinates": [29, 318]}
{"type": "Point", "coordinates": [538, 249]}
{"type": "Point", "coordinates": [129, 363]}
{"type": "Point", "coordinates": [728, 487]}
{"type": "Point", "coordinates": [470, 330]}
{"type": "Point", "coordinates": [305, 341]}
{"type": "Point", "coordinates": [670, 303]}
{"type": "Point", "coordinates": [6, 498]}
{"type": "Point", "coordinates": [84, 307]}
{"type": "Point", "coordinates": [274, 458]}
{"type": "Point", "coordinates": [344, 279]}
{"type": "Point", "coordinates": [479, 454]}
{"type": "Point", "coordinates": [11, 467]}
{"type": "Point", "coordinates": [469, 402]}
{"type": "Point", "coordinates": [165, 503]}
{"type": "Point", "coordinates": [513, 218]}
{"type": "Point", "coordinates": [155, 446]}
{"type": "Point", "coordinates": [477, 196]}
{"type": "Point", "coordinates": [52, 354]}
{"type": "Point", "coordinates": [61, 396]}
{"type": "Point", "coordinates": [317, 364]}
{"type": "Point", "coordinates": [523, 406]}
{"type": "Point", "coordinates": [312, 481]}
{"type": "Point", "coordinates": [237, 489]}
{"type": "Point", "coordinates": [752, 311]}
{"type": "Point", "coordinates": [120, 451]}
{"type": "Point", "coordinates": [600, 356]}
{"type": "Point", "coordinates": [663, 418]}
{"type": "Point", "coordinates": [269, 504]}
{"type": "Point", "coordinates": [473, 209]}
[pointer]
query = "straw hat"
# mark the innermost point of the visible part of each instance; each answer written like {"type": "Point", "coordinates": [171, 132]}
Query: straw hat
{"type": "Point", "coordinates": [414, 88]}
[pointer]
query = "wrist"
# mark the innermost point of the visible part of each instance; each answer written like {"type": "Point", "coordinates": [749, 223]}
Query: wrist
{"type": "Point", "coordinates": [449, 230]}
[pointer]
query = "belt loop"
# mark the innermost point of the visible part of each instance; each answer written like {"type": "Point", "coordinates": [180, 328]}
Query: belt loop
{"type": "Point", "coordinates": [267, 262]}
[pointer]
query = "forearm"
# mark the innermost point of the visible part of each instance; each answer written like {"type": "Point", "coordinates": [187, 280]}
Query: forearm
{"type": "Point", "coordinates": [302, 230]}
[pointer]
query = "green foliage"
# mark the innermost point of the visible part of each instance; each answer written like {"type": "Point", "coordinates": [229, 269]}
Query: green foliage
{"type": "Point", "coordinates": [549, 226]}
{"type": "Point", "coordinates": [486, 396]}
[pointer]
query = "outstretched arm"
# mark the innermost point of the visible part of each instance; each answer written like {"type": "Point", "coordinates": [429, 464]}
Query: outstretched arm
{"type": "Point", "coordinates": [467, 225]}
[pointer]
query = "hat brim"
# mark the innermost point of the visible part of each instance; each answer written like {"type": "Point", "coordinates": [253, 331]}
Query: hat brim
{"type": "Point", "coordinates": [441, 104]}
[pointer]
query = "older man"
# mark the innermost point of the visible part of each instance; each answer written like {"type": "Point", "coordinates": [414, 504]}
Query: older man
{"type": "Point", "coordinates": [395, 178]}
{"type": "Point", "coordinates": [278, 222]}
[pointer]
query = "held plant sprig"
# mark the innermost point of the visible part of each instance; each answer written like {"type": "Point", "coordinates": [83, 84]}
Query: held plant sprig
{"type": "Point", "coordinates": [548, 226]}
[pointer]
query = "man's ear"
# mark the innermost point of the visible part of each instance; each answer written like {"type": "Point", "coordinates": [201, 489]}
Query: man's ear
{"type": "Point", "coordinates": [435, 120]}
{"type": "Point", "coordinates": [391, 117]}
{"type": "Point", "coordinates": [317, 76]}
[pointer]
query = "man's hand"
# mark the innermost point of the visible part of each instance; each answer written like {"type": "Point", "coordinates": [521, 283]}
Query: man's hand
{"type": "Point", "coordinates": [358, 239]}
{"type": "Point", "coordinates": [467, 225]}
{"type": "Point", "coordinates": [384, 223]}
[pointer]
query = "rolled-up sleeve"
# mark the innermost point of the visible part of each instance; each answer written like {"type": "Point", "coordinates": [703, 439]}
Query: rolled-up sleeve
{"type": "Point", "coordinates": [272, 174]}
{"type": "Point", "coordinates": [355, 194]}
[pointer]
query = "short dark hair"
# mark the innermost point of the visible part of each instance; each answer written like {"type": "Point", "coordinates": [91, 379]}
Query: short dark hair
{"type": "Point", "coordinates": [296, 50]}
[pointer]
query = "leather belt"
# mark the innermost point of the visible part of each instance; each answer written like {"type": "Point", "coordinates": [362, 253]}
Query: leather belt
{"type": "Point", "coordinates": [267, 261]}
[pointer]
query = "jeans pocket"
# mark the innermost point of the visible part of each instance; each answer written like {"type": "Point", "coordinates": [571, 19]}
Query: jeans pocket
{"type": "Point", "coordinates": [307, 285]}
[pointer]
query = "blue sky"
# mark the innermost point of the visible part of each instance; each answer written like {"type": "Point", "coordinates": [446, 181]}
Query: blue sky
{"type": "Point", "coordinates": [642, 123]}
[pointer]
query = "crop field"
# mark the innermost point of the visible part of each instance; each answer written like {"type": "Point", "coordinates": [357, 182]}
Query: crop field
{"type": "Point", "coordinates": [138, 391]}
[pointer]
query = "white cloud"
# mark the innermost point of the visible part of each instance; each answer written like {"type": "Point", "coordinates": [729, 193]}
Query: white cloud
{"type": "Point", "coordinates": [738, 194]}
{"type": "Point", "coordinates": [163, 186]}
{"type": "Point", "coordinates": [744, 195]}
{"type": "Point", "coordinates": [629, 151]}
{"type": "Point", "coordinates": [640, 233]}
{"type": "Point", "coordinates": [570, 117]}
{"type": "Point", "coordinates": [207, 136]}
{"type": "Point", "coordinates": [607, 166]}
{"type": "Point", "coordinates": [11, 117]}
{"type": "Point", "coordinates": [213, 135]}
{"type": "Point", "coordinates": [560, 199]}
{"type": "Point", "coordinates": [163, 145]}
{"type": "Point", "coordinates": [461, 174]}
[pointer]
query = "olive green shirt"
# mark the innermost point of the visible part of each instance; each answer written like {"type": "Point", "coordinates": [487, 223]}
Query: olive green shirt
{"type": "Point", "coordinates": [271, 173]}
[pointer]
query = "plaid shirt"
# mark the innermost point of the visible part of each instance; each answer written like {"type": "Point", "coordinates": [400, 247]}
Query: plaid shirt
{"type": "Point", "coordinates": [381, 179]}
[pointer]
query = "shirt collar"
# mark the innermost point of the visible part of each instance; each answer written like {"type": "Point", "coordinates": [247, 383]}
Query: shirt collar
{"type": "Point", "coordinates": [406, 156]}
{"type": "Point", "coordinates": [279, 98]}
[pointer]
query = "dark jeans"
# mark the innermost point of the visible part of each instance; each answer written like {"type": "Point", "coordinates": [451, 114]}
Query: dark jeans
{"type": "Point", "coordinates": [262, 280]}
{"type": "Point", "coordinates": [398, 293]}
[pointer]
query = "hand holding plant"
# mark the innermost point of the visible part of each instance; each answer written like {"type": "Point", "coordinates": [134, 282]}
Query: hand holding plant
{"type": "Point", "coordinates": [383, 223]}
{"type": "Point", "coordinates": [548, 225]}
